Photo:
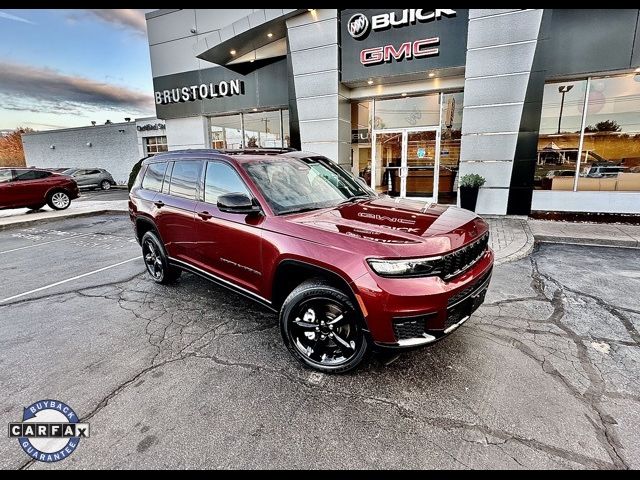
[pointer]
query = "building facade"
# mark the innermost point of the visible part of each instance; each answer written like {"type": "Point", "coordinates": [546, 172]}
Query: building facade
{"type": "Point", "coordinates": [543, 103]}
{"type": "Point", "coordinates": [114, 146]}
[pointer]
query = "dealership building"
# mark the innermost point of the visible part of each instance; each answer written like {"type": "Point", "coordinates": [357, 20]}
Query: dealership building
{"type": "Point", "coordinates": [543, 103]}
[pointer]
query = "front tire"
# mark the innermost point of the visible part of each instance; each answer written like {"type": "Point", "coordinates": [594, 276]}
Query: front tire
{"type": "Point", "coordinates": [59, 200]}
{"type": "Point", "coordinates": [322, 328]}
{"type": "Point", "coordinates": [156, 261]}
{"type": "Point", "coordinates": [105, 185]}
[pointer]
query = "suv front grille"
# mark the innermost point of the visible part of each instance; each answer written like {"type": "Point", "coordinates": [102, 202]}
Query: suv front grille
{"type": "Point", "coordinates": [454, 263]}
{"type": "Point", "coordinates": [468, 290]}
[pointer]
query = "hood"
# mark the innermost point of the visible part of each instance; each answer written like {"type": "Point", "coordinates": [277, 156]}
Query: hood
{"type": "Point", "coordinates": [398, 221]}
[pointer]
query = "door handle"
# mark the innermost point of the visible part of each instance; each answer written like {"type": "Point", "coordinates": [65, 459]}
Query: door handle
{"type": "Point", "coordinates": [159, 204]}
{"type": "Point", "coordinates": [205, 215]}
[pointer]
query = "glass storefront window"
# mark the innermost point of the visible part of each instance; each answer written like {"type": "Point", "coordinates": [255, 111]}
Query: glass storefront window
{"type": "Point", "coordinates": [604, 150]}
{"type": "Point", "coordinates": [226, 132]}
{"type": "Point", "coordinates": [415, 143]}
{"type": "Point", "coordinates": [262, 129]}
{"type": "Point", "coordinates": [407, 112]}
{"type": "Point", "coordinates": [361, 113]}
{"type": "Point", "coordinates": [450, 137]}
{"type": "Point", "coordinates": [286, 133]}
{"type": "Point", "coordinates": [559, 139]}
{"type": "Point", "coordinates": [610, 159]}
{"type": "Point", "coordinates": [266, 129]}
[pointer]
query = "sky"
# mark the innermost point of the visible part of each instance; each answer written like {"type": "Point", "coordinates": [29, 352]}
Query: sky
{"type": "Point", "coordinates": [65, 68]}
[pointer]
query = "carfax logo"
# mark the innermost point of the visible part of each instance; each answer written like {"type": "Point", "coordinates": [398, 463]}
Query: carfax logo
{"type": "Point", "coordinates": [49, 431]}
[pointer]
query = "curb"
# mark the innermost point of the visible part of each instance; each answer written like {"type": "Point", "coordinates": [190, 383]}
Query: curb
{"type": "Point", "coordinates": [593, 242]}
{"type": "Point", "coordinates": [25, 223]}
{"type": "Point", "coordinates": [525, 251]}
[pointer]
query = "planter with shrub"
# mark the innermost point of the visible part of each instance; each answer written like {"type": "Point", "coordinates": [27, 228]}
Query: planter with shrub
{"type": "Point", "coordinates": [469, 187]}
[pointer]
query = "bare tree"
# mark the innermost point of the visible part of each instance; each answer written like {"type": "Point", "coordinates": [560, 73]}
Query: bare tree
{"type": "Point", "coordinates": [11, 149]}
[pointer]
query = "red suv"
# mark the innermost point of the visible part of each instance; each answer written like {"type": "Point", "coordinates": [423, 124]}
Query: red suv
{"type": "Point", "coordinates": [346, 269]}
{"type": "Point", "coordinates": [33, 188]}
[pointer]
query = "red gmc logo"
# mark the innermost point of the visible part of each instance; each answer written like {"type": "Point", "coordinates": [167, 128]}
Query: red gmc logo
{"type": "Point", "coordinates": [408, 50]}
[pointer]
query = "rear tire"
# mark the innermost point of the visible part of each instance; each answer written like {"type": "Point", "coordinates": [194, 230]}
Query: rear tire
{"type": "Point", "coordinates": [156, 260]}
{"type": "Point", "coordinates": [322, 328]}
{"type": "Point", "coordinates": [59, 200]}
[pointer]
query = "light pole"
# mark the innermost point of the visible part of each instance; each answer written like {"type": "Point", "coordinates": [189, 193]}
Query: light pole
{"type": "Point", "coordinates": [562, 89]}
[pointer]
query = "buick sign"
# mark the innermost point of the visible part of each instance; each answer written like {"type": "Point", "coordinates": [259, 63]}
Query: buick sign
{"type": "Point", "coordinates": [358, 25]}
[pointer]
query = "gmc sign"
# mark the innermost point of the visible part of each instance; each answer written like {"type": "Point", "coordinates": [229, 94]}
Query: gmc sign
{"type": "Point", "coordinates": [408, 50]}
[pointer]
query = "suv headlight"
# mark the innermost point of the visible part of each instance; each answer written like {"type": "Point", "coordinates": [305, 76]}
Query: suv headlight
{"type": "Point", "coordinates": [411, 267]}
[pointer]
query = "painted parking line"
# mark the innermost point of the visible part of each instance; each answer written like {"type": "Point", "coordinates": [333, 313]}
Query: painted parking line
{"type": "Point", "coordinates": [46, 287]}
{"type": "Point", "coordinates": [46, 243]}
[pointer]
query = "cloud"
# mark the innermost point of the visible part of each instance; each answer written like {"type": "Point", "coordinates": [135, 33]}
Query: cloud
{"type": "Point", "coordinates": [129, 18]}
{"type": "Point", "coordinates": [9, 16]}
{"type": "Point", "coordinates": [55, 91]}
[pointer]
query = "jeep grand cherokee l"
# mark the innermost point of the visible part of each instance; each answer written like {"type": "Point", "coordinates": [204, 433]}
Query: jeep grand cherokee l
{"type": "Point", "coordinates": [346, 269]}
{"type": "Point", "coordinates": [33, 188]}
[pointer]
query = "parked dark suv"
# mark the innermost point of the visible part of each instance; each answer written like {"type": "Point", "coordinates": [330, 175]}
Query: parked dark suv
{"type": "Point", "coordinates": [346, 269]}
{"type": "Point", "coordinates": [33, 188]}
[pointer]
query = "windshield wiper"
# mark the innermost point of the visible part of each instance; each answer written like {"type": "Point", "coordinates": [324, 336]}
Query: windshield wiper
{"type": "Point", "coordinates": [355, 197]}
{"type": "Point", "coordinates": [299, 210]}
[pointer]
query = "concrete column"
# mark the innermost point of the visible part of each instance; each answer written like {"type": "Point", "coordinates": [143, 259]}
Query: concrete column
{"type": "Point", "coordinates": [324, 112]}
{"type": "Point", "coordinates": [501, 46]}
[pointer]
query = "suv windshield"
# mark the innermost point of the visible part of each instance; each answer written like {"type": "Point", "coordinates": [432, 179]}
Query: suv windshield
{"type": "Point", "coordinates": [300, 184]}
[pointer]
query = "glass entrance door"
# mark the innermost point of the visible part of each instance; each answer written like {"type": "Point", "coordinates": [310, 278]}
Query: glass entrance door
{"type": "Point", "coordinates": [421, 174]}
{"type": "Point", "coordinates": [406, 162]}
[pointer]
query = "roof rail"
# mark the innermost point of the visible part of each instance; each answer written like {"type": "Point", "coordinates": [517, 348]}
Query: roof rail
{"type": "Point", "coordinates": [255, 151]}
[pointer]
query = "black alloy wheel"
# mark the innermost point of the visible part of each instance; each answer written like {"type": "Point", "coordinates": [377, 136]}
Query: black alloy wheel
{"type": "Point", "coordinates": [322, 328]}
{"type": "Point", "coordinates": [155, 260]}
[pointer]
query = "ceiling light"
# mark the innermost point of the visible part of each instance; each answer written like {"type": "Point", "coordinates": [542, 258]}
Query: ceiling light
{"type": "Point", "coordinates": [431, 75]}
{"type": "Point", "coordinates": [404, 94]}
{"type": "Point", "coordinates": [637, 70]}
{"type": "Point", "coordinates": [370, 82]}
{"type": "Point", "coordinates": [232, 52]}
{"type": "Point", "coordinates": [255, 109]}
{"type": "Point", "coordinates": [252, 60]}
{"type": "Point", "coordinates": [269, 34]}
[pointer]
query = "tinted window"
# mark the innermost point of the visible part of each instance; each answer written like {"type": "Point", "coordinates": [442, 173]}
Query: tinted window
{"type": "Point", "coordinates": [153, 176]}
{"type": "Point", "coordinates": [5, 176]}
{"type": "Point", "coordinates": [30, 175]}
{"type": "Point", "coordinates": [220, 180]}
{"type": "Point", "coordinates": [184, 179]}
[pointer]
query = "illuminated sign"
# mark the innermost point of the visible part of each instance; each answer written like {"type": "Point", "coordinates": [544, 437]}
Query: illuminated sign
{"type": "Point", "coordinates": [200, 92]}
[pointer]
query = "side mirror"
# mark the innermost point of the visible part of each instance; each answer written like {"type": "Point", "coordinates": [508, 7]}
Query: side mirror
{"type": "Point", "coordinates": [237, 203]}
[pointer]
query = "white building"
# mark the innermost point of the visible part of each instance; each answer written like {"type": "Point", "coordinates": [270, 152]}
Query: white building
{"type": "Point", "coordinates": [115, 147]}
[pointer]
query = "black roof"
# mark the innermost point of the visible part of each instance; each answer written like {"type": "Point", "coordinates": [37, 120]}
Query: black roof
{"type": "Point", "coordinates": [211, 152]}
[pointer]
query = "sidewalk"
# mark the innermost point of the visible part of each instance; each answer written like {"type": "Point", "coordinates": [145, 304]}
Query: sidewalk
{"type": "Point", "coordinates": [605, 234]}
{"type": "Point", "coordinates": [21, 217]}
{"type": "Point", "coordinates": [510, 238]}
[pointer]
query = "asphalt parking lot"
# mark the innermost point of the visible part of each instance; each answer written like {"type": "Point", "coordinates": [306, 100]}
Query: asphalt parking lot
{"type": "Point", "coordinates": [110, 195]}
{"type": "Point", "coordinates": [545, 375]}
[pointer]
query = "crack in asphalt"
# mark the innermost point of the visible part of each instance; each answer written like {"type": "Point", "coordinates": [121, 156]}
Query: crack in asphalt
{"type": "Point", "coordinates": [161, 335]}
{"type": "Point", "coordinates": [592, 396]}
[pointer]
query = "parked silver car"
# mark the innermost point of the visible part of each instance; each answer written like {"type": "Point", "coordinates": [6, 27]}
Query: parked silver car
{"type": "Point", "coordinates": [91, 177]}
